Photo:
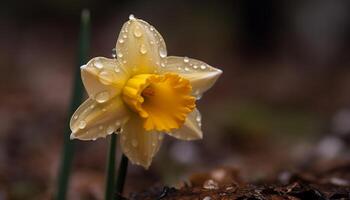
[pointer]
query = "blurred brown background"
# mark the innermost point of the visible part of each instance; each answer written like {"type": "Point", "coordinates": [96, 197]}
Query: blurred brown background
{"type": "Point", "coordinates": [283, 101]}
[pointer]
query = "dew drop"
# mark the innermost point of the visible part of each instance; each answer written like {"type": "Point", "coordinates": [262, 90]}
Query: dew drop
{"type": "Point", "coordinates": [82, 124]}
{"type": "Point", "coordinates": [120, 55]}
{"type": "Point", "coordinates": [75, 117]}
{"type": "Point", "coordinates": [162, 64]}
{"type": "Point", "coordinates": [124, 35]}
{"type": "Point", "coordinates": [124, 61]}
{"type": "Point", "coordinates": [134, 143]}
{"type": "Point", "coordinates": [94, 139]}
{"type": "Point", "coordinates": [116, 69]}
{"type": "Point", "coordinates": [121, 41]}
{"type": "Point", "coordinates": [152, 28]}
{"type": "Point", "coordinates": [143, 49]}
{"type": "Point", "coordinates": [162, 52]}
{"type": "Point", "coordinates": [105, 77]}
{"type": "Point", "coordinates": [131, 17]}
{"type": "Point", "coordinates": [98, 64]}
{"type": "Point", "coordinates": [187, 69]}
{"type": "Point", "coordinates": [195, 67]}
{"type": "Point", "coordinates": [137, 32]}
{"type": "Point", "coordinates": [92, 106]}
{"type": "Point", "coordinates": [203, 67]}
{"type": "Point", "coordinates": [102, 97]}
{"type": "Point", "coordinates": [114, 53]}
{"type": "Point", "coordinates": [186, 59]}
{"type": "Point", "coordinates": [198, 118]}
{"type": "Point", "coordinates": [110, 130]}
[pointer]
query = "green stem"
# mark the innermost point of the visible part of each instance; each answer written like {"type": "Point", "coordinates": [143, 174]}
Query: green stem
{"type": "Point", "coordinates": [123, 168]}
{"type": "Point", "coordinates": [110, 168]}
{"type": "Point", "coordinates": [77, 95]}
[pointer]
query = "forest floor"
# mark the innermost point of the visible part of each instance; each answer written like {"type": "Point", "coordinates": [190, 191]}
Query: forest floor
{"type": "Point", "coordinates": [321, 183]}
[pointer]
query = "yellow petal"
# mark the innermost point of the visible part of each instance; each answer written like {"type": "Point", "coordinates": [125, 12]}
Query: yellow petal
{"type": "Point", "coordinates": [201, 75]}
{"type": "Point", "coordinates": [93, 120]}
{"type": "Point", "coordinates": [140, 47]}
{"type": "Point", "coordinates": [191, 129]}
{"type": "Point", "coordinates": [139, 145]}
{"type": "Point", "coordinates": [103, 78]}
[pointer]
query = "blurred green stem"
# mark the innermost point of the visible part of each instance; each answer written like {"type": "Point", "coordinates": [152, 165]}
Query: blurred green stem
{"type": "Point", "coordinates": [110, 168]}
{"type": "Point", "coordinates": [123, 168]}
{"type": "Point", "coordinates": [77, 95]}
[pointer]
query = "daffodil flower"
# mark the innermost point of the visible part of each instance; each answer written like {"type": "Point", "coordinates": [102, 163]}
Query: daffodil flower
{"type": "Point", "coordinates": [142, 93]}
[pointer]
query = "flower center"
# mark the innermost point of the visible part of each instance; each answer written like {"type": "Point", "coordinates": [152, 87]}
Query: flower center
{"type": "Point", "coordinates": [162, 101]}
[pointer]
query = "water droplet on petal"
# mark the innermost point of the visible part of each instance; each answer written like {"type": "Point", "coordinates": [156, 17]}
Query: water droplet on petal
{"type": "Point", "coordinates": [203, 67]}
{"type": "Point", "coordinates": [162, 64]}
{"type": "Point", "coordinates": [187, 69]}
{"type": "Point", "coordinates": [98, 64]}
{"type": "Point", "coordinates": [102, 97]}
{"type": "Point", "coordinates": [162, 52]}
{"type": "Point", "coordinates": [121, 41]}
{"type": "Point", "coordinates": [186, 59]}
{"type": "Point", "coordinates": [197, 94]}
{"type": "Point", "coordinates": [195, 67]}
{"type": "Point", "coordinates": [134, 143]}
{"type": "Point", "coordinates": [143, 49]}
{"type": "Point", "coordinates": [131, 17]}
{"type": "Point", "coordinates": [105, 77]}
{"type": "Point", "coordinates": [114, 53]}
{"type": "Point", "coordinates": [92, 106]}
{"type": "Point", "coordinates": [137, 32]}
{"type": "Point", "coordinates": [82, 124]}
{"type": "Point", "coordinates": [110, 130]}
{"type": "Point", "coordinates": [94, 139]}
{"type": "Point", "coordinates": [116, 69]}
{"type": "Point", "coordinates": [125, 36]}
{"type": "Point", "coordinates": [75, 117]}
{"type": "Point", "coordinates": [198, 118]}
{"type": "Point", "coordinates": [120, 55]}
